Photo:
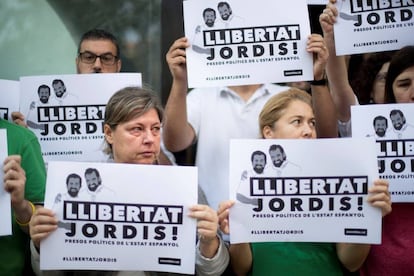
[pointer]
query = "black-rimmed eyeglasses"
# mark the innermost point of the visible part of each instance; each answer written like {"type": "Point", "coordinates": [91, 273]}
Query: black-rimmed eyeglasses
{"type": "Point", "coordinates": [90, 58]}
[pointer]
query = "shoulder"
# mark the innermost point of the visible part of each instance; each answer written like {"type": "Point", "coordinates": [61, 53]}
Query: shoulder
{"type": "Point", "coordinates": [14, 130]}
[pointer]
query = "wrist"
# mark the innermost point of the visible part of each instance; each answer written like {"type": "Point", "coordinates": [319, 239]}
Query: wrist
{"type": "Point", "coordinates": [24, 215]}
{"type": "Point", "coordinates": [321, 82]}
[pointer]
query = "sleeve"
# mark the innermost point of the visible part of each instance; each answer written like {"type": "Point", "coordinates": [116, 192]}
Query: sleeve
{"type": "Point", "coordinates": [35, 260]}
{"type": "Point", "coordinates": [194, 109]}
{"type": "Point", "coordinates": [214, 266]}
{"type": "Point", "coordinates": [34, 166]}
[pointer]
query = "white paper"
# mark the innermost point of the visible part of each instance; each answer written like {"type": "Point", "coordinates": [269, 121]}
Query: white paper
{"type": "Point", "coordinates": [318, 194]}
{"type": "Point", "coordinates": [364, 27]}
{"type": "Point", "coordinates": [139, 219]}
{"type": "Point", "coordinates": [262, 42]}
{"type": "Point", "coordinates": [9, 98]}
{"type": "Point", "coordinates": [5, 203]}
{"type": "Point", "coordinates": [71, 129]}
{"type": "Point", "coordinates": [395, 143]}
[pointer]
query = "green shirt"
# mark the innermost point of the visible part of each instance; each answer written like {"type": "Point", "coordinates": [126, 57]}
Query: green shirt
{"type": "Point", "coordinates": [21, 141]}
{"type": "Point", "coordinates": [295, 258]}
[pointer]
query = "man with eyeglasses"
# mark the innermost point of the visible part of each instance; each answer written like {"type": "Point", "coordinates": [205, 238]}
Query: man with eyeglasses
{"type": "Point", "coordinates": [98, 52]}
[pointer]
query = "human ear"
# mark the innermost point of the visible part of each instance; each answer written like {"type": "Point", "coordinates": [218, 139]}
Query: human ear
{"type": "Point", "coordinates": [108, 134]}
{"type": "Point", "coordinates": [267, 132]}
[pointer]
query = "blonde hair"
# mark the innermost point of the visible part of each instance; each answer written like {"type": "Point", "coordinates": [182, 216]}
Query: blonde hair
{"type": "Point", "coordinates": [276, 105]}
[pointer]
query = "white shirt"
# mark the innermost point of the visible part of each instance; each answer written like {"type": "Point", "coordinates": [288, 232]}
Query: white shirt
{"type": "Point", "coordinates": [218, 115]}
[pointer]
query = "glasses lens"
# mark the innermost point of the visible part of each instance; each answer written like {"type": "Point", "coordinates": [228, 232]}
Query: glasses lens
{"type": "Point", "coordinates": [108, 59]}
{"type": "Point", "coordinates": [87, 57]}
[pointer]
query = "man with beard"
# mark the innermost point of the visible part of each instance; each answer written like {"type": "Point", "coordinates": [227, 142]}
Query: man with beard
{"type": "Point", "coordinates": [380, 126]}
{"type": "Point", "coordinates": [400, 124]}
{"type": "Point", "coordinates": [227, 16]}
{"type": "Point", "coordinates": [62, 97]}
{"type": "Point", "coordinates": [95, 187]}
{"type": "Point", "coordinates": [280, 163]}
{"type": "Point", "coordinates": [44, 95]}
{"type": "Point", "coordinates": [209, 16]}
{"type": "Point", "coordinates": [258, 159]}
{"type": "Point", "coordinates": [73, 184]}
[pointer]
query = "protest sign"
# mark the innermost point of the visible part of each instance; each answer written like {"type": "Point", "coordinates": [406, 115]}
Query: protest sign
{"type": "Point", "coordinates": [66, 112]}
{"type": "Point", "coordinates": [9, 98]}
{"type": "Point", "coordinates": [5, 204]}
{"type": "Point", "coordinates": [246, 42]}
{"type": "Point", "coordinates": [311, 190]}
{"type": "Point", "coordinates": [392, 125]}
{"type": "Point", "coordinates": [121, 217]}
{"type": "Point", "coordinates": [373, 26]}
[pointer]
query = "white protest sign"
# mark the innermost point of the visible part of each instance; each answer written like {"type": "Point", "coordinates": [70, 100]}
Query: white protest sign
{"type": "Point", "coordinates": [392, 125]}
{"type": "Point", "coordinates": [373, 26]}
{"type": "Point", "coordinates": [136, 219]}
{"type": "Point", "coordinates": [311, 190]}
{"type": "Point", "coordinates": [5, 204]}
{"type": "Point", "coordinates": [69, 126]}
{"type": "Point", "coordinates": [9, 98]}
{"type": "Point", "coordinates": [246, 42]}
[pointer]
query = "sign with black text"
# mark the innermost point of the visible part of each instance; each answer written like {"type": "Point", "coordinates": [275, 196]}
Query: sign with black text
{"type": "Point", "coordinates": [120, 217]}
{"type": "Point", "coordinates": [307, 190]}
{"type": "Point", "coordinates": [9, 98]}
{"type": "Point", "coordinates": [373, 26]}
{"type": "Point", "coordinates": [5, 203]}
{"type": "Point", "coordinates": [392, 125]}
{"type": "Point", "coordinates": [66, 112]}
{"type": "Point", "coordinates": [246, 42]}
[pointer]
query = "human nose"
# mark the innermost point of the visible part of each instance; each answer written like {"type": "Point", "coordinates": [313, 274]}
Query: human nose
{"type": "Point", "coordinates": [148, 136]}
{"type": "Point", "coordinates": [307, 130]}
{"type": "Point", "coordinates": [97, 65]}
{"type": "Point", "coordinates": [412, 93]}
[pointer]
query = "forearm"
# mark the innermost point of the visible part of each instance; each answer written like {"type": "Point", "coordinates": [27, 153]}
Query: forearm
{"type": "Point", "coordinates": [241, 258]}
{"type": "Point", "coordinates": [337, 72]}
{"type": "Point", "coordinates": [325, 112]}
{"type": "Point", "coordinates": [177, 132]}
{"type": "Point", "coordinates": [352, 255]}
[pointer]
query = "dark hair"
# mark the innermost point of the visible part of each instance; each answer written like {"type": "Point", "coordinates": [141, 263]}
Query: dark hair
{"type": "Point", "coordinates": [258, 152]}
{"type": "Point", "coordinates": [99, 34]}
{"type": "Point", "coordinates": [56, 81]}
{"type": "Point", "coordinates": [92, 170]}
{"type": "Point", "coordinates": [275, 147]}
{"type": "Point", "coordinates": [367, 73]}
{"type": "Point", "coordinates": [73, 175]}
{"type": "Point", "coordinates": [209, 10]}
{"type": "Point", "coordinates": [42, 87]}
{"type": "Point", "coordinates": [397, 112]}
{"type": "Point", "coordinates": [402, 60]}
{"type": "Point", "coordinates": [378, 118]}
{"type": "Point", "coordinates": [280, 148]}
{"type": "Point", "coordinates": [221, 4]}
